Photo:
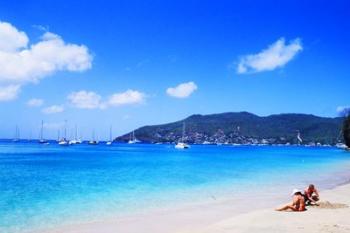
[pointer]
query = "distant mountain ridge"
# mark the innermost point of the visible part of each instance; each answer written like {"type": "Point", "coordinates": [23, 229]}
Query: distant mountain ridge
{"type": "Point", "coordinates": [245, 128]}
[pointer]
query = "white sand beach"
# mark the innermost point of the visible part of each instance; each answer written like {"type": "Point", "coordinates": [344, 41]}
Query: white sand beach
{"type": "Point", "coordinates": [333, 216]}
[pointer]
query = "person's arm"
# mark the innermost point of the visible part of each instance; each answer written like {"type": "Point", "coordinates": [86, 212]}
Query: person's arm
{"type": "Point", "coordinates": [287, 207]}
{"type": "Point", "coordinates": [316, 192]}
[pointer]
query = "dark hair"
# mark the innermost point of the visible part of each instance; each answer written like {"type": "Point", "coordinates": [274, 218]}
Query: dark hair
{"type": "Point", "coordinates": [298, 193]}
{"type": "Point", "coordinates": [311, 186]}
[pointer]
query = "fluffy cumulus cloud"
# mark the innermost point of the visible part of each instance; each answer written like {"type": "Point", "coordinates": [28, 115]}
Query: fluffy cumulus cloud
{"type": "Point", "coordinates": [9, 92]}
{"type": "Point", "coordinates": [91, 100]}
{"type": "Point", "coordinates": [276, 55]}
{"type": "Point", "coordinates": [11, 38]}
{"type": "Point", "coordinates": [343, 110]}
{"type": "Point", "coordinates": [35, 102]}
{"type": "Point", "coordinates": [126, 98]}
{"type": "Point", "coordinates": [85, 99]}
{"type": "Point", "coordinates": [22, 63]}
{"type": "Point", "coordinates": [182, 90]}
{"type": "Point", "coordinates": [53, 109]}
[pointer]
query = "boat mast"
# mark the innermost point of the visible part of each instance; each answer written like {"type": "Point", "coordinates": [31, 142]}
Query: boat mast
{"type": "Point", "coordinates": [42, 130]}
{"type": "Point", "coordinates": [76, 132]}
{"type": "Point", "coordinates": [65, 129]}
{"type": "Point", "coordinates": [30, 135]}
{"type": "Point", "coordinates": [16, 134]}
{"type": "Point", "coordinates": [110, 133]}
{"type": "Point", "coordinates": [183, 132]}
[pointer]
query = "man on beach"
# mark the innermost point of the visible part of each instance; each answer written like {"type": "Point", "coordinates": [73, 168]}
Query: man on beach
{"type": "Point", "coordinates": [298, 203]}
{"type": "Point", "coordinates": [311, 195]}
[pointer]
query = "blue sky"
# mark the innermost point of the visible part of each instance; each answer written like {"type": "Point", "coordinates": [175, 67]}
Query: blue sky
{"type": "Point", "coordinates": [135, 63]}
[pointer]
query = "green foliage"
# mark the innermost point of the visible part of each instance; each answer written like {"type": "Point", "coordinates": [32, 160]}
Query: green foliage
{"type": "Point", "coordinates": [279, 128]}
{"type": "Point", "coordinates": [346, 131]}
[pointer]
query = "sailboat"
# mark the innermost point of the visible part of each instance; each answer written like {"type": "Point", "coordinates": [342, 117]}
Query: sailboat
{"type": "Point", "coordinates": [110, 137]}
{"type": "Point", "coordinates": [16, 138]}
{"type": "Point", "coordinates": [42, 140]}
{"type": "Point", "coordinates": [181, 144]}
{"type": "Point", "coordinates": [64, 141]}
{"type": "Point", "coordinates": [300, 140]}
{"type": "Point", "coordinates": [133, 140]}
{"type": "Point", "coordinates": [75, 140]}
{"type": "Point", "coordinates": [58, 136]}
{"type": "Point", "coordinates": [93, 141]}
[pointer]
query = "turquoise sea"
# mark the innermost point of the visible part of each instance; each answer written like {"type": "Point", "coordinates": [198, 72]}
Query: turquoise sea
{"type": "Point", "coordinates": [48, 185]}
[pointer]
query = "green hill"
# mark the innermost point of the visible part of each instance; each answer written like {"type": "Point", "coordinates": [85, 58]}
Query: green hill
{"type": "Point", "coordinates": [244, 127]}
{"type": "Point", "coordinates": [346, 131]}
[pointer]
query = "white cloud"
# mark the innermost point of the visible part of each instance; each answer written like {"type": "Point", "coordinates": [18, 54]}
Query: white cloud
{"type": "Point", "coordinates": [85, 99]}
{"type": "Point", "coordinates": [9, 92]}
{"type": "Point", "coordinates": [343, 110]}
{"type": "Point", "coordinates": [126, 98]}
{"type": "Point", "coordinates": [35, 102]}
{"type": "Point", "coordinates": [182, 90]}
{"type": "Point", "coordinates": [91, 100]}
{"type": "Point", "coordinates": [11, 40]}
{"type": "Point", "coordinates": [53, 109]}
{"type": "Point", "coordinates": [22, 63]}
{"type": "Point", "coordinates": [276, 55]}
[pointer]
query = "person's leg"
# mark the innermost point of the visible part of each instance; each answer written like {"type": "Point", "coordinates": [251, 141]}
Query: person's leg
{"type": "Point", "coordinates": [286, 207]}
{"type": "Point", "coordinates": [307, 200]}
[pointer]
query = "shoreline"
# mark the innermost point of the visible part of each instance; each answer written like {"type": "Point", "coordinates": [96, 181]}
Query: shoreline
{"type": "Point", "coordinates": [222, 216]}
{"type": "Point", "coordinates": [331, 219]}
{"type": "Point", "coordinates": [191, 208]}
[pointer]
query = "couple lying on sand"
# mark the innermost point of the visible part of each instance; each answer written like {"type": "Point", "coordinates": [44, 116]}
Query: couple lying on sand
{"type": "Point", "coordinates": [300, 200]}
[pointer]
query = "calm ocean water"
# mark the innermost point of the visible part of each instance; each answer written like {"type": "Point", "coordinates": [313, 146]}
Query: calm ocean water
{"type": "Point", "coordinates": [47, 185]}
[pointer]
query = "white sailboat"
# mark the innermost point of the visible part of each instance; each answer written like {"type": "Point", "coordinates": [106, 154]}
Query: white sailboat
{"type": "Point", "coordinates": [93, 141]}
{"type": "Point", "coordinates": [64, 141]}
{"type": "Point", "coordinates": [75, 140]}
{"type": "Point", "coordinates": [181, 144]}
{"type": "Point", "coordinates": [300, 140]}
{"type": "Point", "coordinates": [16, 138]}
{"type": "Point", "coordinates": [133, 140]}
{"type": "Point", "coordinates": [42, 140]}
{"type": "Point", "coordinates": [58, 136]}
{"type": "Point", "coordinates": [110, 137]}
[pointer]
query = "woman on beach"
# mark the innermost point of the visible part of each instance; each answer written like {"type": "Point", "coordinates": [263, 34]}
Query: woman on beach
{"type": "Point", "coordinates": [298, 203]}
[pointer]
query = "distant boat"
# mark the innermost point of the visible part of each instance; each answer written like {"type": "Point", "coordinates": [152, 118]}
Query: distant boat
{"type": "Point", "coordinates": [75, 140]}
{"type": "Point", "coordinates": [300, 140]}
{"type": "Point", "coordinates": [64, 141]}
{"type": "Point", "coordinates": [341, 145]}
{"type": "Point", "coordinates": [133, 140]}
{"type": "Point", "coordinates": [42, 140]}
{"type": "Point", "coordinates": [110, 137]}
{"type": "Point", "coordinates": [16, 138]}
{"type": "Point", "coordinates": [182, 144]}
{"type": "Point", "coordinates": [93, 141]}
{"type": "Point", "coordinates": [58, 136]}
